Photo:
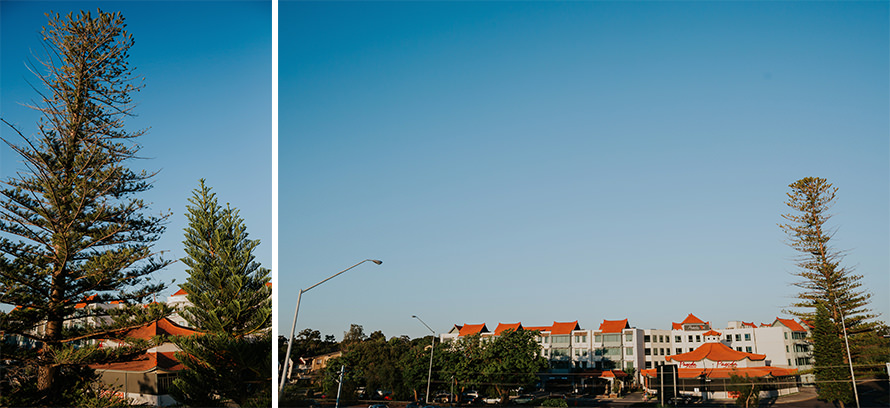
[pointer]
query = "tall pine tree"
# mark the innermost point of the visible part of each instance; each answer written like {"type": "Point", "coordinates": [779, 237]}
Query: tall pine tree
{"type": "Point", "coordinates": [823, 280]}
{"type": "Point", "coordinates": [73, 230]}
{"type": "Point", "coordinates": [231, 304]}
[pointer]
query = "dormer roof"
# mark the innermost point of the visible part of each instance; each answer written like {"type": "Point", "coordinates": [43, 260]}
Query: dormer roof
{"type": "Point", "coordinates": [614, 326]}
{"type": "Point", "coordinates": [469, 329]}
{"type": "Point", "coordinates": [502, 327]}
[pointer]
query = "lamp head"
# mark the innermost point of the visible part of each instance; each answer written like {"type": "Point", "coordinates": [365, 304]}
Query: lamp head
{"type": "Point", "coordinates": [378, 262]}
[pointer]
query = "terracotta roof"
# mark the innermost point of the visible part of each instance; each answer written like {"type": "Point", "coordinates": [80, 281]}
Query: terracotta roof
{"type": "Point", "coordinates": [613, 326]}
{"type": "Point", "coordinates": [84, 304]}
{"type": "Point", "coordinates": [564, 327]}
{"type": "Point", "coordinates": [537, 328]}
{"type": "Point", "coordinates": [163, 326]}
{"type": "Point", "coordinates": [502, 327]}
{"type": "Point", "coordinates": [746, 324]}
{"type": "Point", "coordinates": [180, 292]}
{"type": "Point", "coordinates": [145, 362]}
{"type": "Point", "coordinates": [614, 374]}
{"type": "Point", "coordinates": [469, 329]}
{"type": "Point", "coordinates": [712, 333]}
{"type": "Point", "coordinates": [726, 372]}
{"type": "Point", "coordinates": [791, 324]}
{"type": "Point", "coordinates": [715, 352]}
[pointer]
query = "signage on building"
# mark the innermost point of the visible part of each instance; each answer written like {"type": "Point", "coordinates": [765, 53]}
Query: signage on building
{"type": "Point", "coordinates": [731, 364]}
{"type": "Point", "coordinates": [687, 364]}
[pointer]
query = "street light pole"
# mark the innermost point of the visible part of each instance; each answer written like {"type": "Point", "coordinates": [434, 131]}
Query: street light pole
{"type": "Point", "coordinates": [290, 340]}
{"type": "Point", "coordinates": [429, 377]}
{"type": "Point", "coordinates": [849, 358]}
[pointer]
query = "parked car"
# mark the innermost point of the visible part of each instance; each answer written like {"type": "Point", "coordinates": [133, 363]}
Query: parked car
{"type": "Point", "coordinates": [492, 401]}
{"type": "Point", "coordinates": [523, 399]}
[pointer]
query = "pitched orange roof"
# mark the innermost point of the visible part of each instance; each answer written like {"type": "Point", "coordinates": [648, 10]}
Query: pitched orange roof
{"type": "Point", "coordinates": [726, 372]}
{"type": "Point", "coordinates": [84, 304]}
{"type": "Point", "coordinates": [791, 324]}
{"type": "Point", "coordinates": [469, 329]}
{"type": "Point", "coordinates": [180, 292]}
{"type": "Point", "coordinates": [161, 327]}
{"type": "Point", "coordinates": [712, 333]}
{"type": "Point", "coordinates": [715, 352]}
{"type": "Point", "coordinates": [614, 326]}
{"type": "Point", "coordinates": [145, 362]}
{"type": "Point", "coordinates": [751, 325]}
{"type": "Point", "coordinates": [537, 328]}
{"type": "Point", "coordinates": [614, 374]}
{"type": "Point", "coordinates": [502, 327]}
{"type": "Point", "coordinates": [564, 327]}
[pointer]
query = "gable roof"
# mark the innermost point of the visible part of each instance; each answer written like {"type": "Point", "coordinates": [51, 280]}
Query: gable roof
{"type": "Point", "coordinates": [144, 362]}
{"type": "Point", "coordinates": [791, 324]}
{"type": "Point", "coordinates": [564, 327]}
{"type": "Point", "coordinates": [469, 329]}
{"type": "Point", "coordinates": [502, 327]}
{"type": "Point", "coordinates": [614, 326]}
{"type": "Point", "coordinates": [164, 326]}
{"type": "Point", "coordinates": [712, 333]}
{"type": "Point", "coordinates": [715, 352]}
{"type": "Point", "coordinates": [180, 292]}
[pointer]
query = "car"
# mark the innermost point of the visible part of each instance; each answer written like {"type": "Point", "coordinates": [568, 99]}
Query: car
{"type": "Point", "coordinates": [523, 399]}
{"type": "Point", "coordinates": [491, 401]}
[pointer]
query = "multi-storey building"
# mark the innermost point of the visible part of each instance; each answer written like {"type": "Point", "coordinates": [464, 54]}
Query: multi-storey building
{"type": "Point", "coordinates": [616, 345]}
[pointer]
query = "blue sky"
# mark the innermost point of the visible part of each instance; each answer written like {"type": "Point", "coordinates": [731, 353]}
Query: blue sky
{"type": "Point", "coordinates": [560, 161]}
{"type": "Point", "coordinates": [207, 101]}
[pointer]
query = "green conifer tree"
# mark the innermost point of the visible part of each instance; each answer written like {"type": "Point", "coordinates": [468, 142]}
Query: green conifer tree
{"type": "Point", "coordinates": [832, 375]}
{"type": "Point", "coordinates": [823, 280]}
{"type": "Point", "coordinates": [231, 305]}
{"type": "Point", "coordinates": [73, 229]}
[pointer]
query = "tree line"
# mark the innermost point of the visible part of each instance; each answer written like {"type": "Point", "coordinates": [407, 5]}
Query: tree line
{"type": "Point", "coordinates": [401, 366]}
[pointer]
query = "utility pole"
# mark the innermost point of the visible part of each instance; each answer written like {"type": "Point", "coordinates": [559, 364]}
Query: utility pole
{"type": "Point", "coordinates": [340, 384]}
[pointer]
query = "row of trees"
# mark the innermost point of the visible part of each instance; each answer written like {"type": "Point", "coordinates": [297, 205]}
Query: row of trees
{"type": "Point", "coordinates": [401, 365]}
{"type": "Point", "coordinates": [74, 231]}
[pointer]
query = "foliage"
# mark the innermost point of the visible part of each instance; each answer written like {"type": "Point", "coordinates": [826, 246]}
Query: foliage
{"type": "Point", "coordinates": [79, 386]}
{"type": "Point", "coordinates": [748, 389]}
{"type": "Point", "coordinates": [822, 278]}
{"type": "Point", "coordinates": [231, 305]}
{"type": "Point", "coordinates": [74, 232]}
{"type": "Point", "coordinates": [226, 286]}
{"type": "Point", "coordinates": [511, 360]}
{"type": "Point", "coordinates": [223, 368]}
{"type": "Point", "coordinates": [553, 402]}
{"type": "Point", "coordinates": [832, 376]}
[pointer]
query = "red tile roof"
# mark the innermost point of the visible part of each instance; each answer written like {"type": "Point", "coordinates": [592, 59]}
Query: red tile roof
{"type": "Point", "coordinates": [614, 374]}
{"type": "Point", "coordinates": [537, 328]}
{"type": "Point", "coordinates": [163, 326]}
{"type": "Point", "coordinates": [180, 292]}
{"type": "Point", "coordinates": [726, 372]}
{"type": "Point", "coordinates": [564, 327]}
{"type": "Point", "coordinates": [712, 333]}
{"type": "Point", "coordinates": [145, 362]}
{"type": "Point", "coordinates": [715, 352]}
{"type": "Point", "coordinates": [614, 326]}
{"type": "Point", "coordinates": [791, 324]}
{"type": "Point", "coordinates": [84, 304]}
{"type": "Point", "coordinates": [502, 327]}
{"type": "Point", "coordinates": [469, 329]}
{"type": "Point", "coordinates": [751, 325]}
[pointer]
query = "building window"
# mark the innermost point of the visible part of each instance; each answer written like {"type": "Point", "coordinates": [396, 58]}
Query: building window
{"type": "Point", "coordinates": [648, 364]}
{"type": "Point", "coordinates": [789, 363]}
{"type": "Point", "coordinates": [629, 351]}
{"type": "Point", "coordinates": [738, 337]}
{"type": "Point", "coordinates": [661, 351]}
{"type": "Point", "coordinates": [786, 335]}
{"type": "Point", "coordinates": [691, 349]}
{"type": "Point", "coordinates": [748, 349]}
{"type": "Point", "coordinates": [646, 338]}
{"type": "Point", "coordinates": [546, 339]}
{"type": "Point", "coordinates": [728, 337]}
{"type": "Point", "coordinates": [788, 351]}
{"type": "Point", "coordinates": [690, 338]}
{"type": "Point", "coordinates": [738, 349]}
{"type": "Point", "coordinates": [561, 339]}
{"type": "Point", "coordinates": [581, 339]}
{"type": "Point", "coordinates": [678, 339]}
{"type": "Point", "coordinates": [679, 351]}
{"type": "Point", "coordinates": [597, 338]}
{"type": "Point", "coordinates": [747, 336]}
{"type": "Point", "coordinates": [629, 337]}
{"type": "Point", "coordinates": [697, 338]}
{"type": "Point", "coordinates": [611, 338]}
{"type": "Point", "coordinates": [647, 351]}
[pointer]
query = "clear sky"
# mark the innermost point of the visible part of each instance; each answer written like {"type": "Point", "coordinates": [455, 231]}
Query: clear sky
{"type": "Point", "coordinates": [207, 101]}
{"type": "Point", "coordinates": [560, 161]}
